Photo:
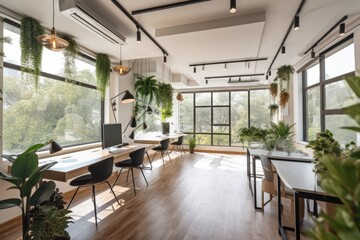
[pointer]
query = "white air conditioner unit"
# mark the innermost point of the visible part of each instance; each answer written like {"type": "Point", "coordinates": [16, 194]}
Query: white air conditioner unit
{"type": "Point", "coordinates": [88, 18]}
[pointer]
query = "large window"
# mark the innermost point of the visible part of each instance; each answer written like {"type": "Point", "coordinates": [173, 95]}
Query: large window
{"type": "Point", "coordinates": [69, 113]}
{"type": "Point", "coordinates": [214, 118]}
{"type": "Point", "coordinates": [326, 93]}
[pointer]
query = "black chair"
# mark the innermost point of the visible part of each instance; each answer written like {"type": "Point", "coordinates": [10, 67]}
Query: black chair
{"type": "Point", "coordinates": [179, 144]}
{"type": "Point", "coordinates": [136, 161]}
{"type": "Point", "coordinates": [99, 173]}
{"type": "Point", "coordinates": [162, 148]}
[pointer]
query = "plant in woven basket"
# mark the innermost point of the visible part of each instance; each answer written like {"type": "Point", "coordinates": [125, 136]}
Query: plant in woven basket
{"type": "Point", "coordinates": [283, 98]}
{"type": "Point", "coordinates": [31, 49]}
{"type": "Point", "coordinates": [273, 108]}
{"type": "Point", "coordinates": [284, 72]}
{"type": "Point", "coordinates": [103, 65]}
{"type": "Point", "coordinates": [273, 89]}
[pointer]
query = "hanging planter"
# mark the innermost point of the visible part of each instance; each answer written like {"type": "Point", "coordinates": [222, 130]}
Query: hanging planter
{"type": "Point", "coordinates": [31, 49]}
{"type": "Point", "coordinates": [284, 72]}
{"type": "Point", "coordinates": [166, 100]}
{"type": "Point", "coordinates": [273, 108]}
{"type": "Point", "coordinates": [273, 89]}
{"type": "Point", "coordinates": [70, 54]}
{"type": "Point", "coordinates": [284, 98]}
{"type": "Point", "coordinates": [102, 73]}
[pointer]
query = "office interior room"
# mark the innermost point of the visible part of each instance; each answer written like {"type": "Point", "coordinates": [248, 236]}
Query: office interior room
{"type": "Point", "coordinates": [216, 62]}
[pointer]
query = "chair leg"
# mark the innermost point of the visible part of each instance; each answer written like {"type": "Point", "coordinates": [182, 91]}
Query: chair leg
{"type": "Point", "coordinates": [94, 200]}
{"type": "Point", "coordinates": [168, 155]}
{"type": "Point", "coordinates": [113, 192]}
{"type": "Point", "coordinates": [144, 176]}
{"type": "Point", "coordinates": [183, 149]}
{"type": "Point", "coordinates": [117, 177]}
{"type": "Point", "coordinates": [162, 157]}
{"type": "Point", "coordinates": [72, 198]}
{"type": "Point", "coordinates": [153, 156]}
{"type": "Point", "coordinates": [132, 175]}
{"type": "Point", "coordinates": [127, 176]}
{"type": "Point", "coordinates": [147, 154]}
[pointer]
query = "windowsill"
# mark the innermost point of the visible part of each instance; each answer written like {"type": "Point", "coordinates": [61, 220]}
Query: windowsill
{"type": "Point", "coordinates": [302, 143]}
{"type": "Point", "coordinates": [45, 154]}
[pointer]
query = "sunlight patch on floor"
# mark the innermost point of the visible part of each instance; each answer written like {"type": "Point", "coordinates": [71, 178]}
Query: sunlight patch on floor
{"type": "Point", "coordinates": [210, 161]}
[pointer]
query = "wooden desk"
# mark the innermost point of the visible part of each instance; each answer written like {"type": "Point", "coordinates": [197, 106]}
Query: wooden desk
{"type": "Point", "coordinates": [298, 176]}
{"type": "Point", "coordinates": [157, 139]}
{"type": "Point", "coordinates": [77, 163]}
{"type": "Point", "coordinates": [278, 155]}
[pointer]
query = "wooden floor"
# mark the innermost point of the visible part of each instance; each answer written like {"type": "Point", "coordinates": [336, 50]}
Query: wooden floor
{"type": "Point", "coordinates": [199, 196]}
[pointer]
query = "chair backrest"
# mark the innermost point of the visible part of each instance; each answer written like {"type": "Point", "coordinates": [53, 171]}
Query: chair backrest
{"type": "Point", "coordinates": [165, 144]}
{"type": "Point", "coordinates": [181, 140]}
{"type": "Point", "coordinates": [267, 167]}
{"type": "Point", "coordinates": [102, 170]}
{"type": "Point", "coordinates": [137, 157]}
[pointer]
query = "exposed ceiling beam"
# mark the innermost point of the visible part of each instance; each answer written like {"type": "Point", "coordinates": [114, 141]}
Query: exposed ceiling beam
{"type": "Point", "coordinates": [231, 61]}
{"type": "Point", "coordinates": [167, 6]}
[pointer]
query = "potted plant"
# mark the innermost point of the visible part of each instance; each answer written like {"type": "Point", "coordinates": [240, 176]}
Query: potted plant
{"type": "Point", "coordinates": [31, 49]}
{"type": "Point", "coordinates": [273, 88]}
{"type": "Point", "coordinates": [103, 65]}
{"type": "Point", "coordinates": [147, 89]}
{"type": "Point", "coordinates": [273, 108]}
{"type": "Point", "coordinates": [192, 144]}
{"type": "Point", "coordinates": [282, 135]}
{"type": "Point", "coordinates": [284, 74]}
{"type": "Point", "coordinates": [165, 99]}
{"type": "Point", "coordinates": [252, 135]}
{"type": "Point", "coordinates": [342, 179]}
{"type": "Point", "coordinates": [24, 176]}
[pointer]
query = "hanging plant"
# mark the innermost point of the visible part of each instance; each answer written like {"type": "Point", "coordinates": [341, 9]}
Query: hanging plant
{"type": "Point", "coordinates": [273, 108]}
{"type": "Point", "coordinates": [70, 54]}
{"type": "Point", "coordinates": [166, 100]}
{"type": "Point", "coordinates": [31, 49]}
{"type": "Point", "coordinates": [273, 89]}
{"type": "Point", "coordinates": [147, 89]}
{"type": "Point", "coordinates": [284, 72]}
{"type": "Point", "coordinates": [102, 73]}
{"type": "Point", "coordinates": [284, 98]}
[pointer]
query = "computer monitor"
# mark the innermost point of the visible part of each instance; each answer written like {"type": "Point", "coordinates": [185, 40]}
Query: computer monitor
{"type": "Point", "coordinates": [111, 135]}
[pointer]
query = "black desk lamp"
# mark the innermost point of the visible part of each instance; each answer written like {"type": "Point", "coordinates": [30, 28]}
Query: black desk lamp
{"type": "Point", "coordinates": [54, 147]}
{"type": "Point", "coordinates": [132, 134]}
{"type": "Point", "coordinates": [127, 98]}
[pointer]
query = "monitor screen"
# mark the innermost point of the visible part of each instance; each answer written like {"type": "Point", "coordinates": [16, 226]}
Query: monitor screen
{"type": "Point", "coordinates": [111, 135]}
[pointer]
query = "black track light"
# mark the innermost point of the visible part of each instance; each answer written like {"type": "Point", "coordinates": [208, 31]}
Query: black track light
{"type": "Point", "coordinates": [239, 79]}
{"type": "Point", "coordinates": [194, 69]}
{"type": "Point", "coordinates": [138, 35]}
{"type": "Point", "coordinates": [203, 68]}
{"type": "Point", "coordinates": [232, 6]}
{"type": "Point", "coordinates": [283, 50]}
{"type": "Point", "coordinates": [267, 77]}
{"type": "Point", "coordinates": [206, 81]}
{"type": "Point", "coordinates": [165, 58]}
{"type": "Point", "coordinates": [229, 80]}
{"type": "Point", "coordinates": [225, 67]}
{"type": "Point", "coordinates": [312, 53]}
{"type": "Point", "coordinates": [342, 29]}
{"type": "Point", "coordinates": [296, 22]}
{"type": "Point", "coordinates": [270, 73]}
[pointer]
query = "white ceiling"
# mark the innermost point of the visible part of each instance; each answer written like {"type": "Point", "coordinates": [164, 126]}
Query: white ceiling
{"type": "Point", "coordinates": [208, 42]}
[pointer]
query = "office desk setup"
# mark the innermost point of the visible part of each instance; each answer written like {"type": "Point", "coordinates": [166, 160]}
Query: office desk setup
{"type": "Point", "coordinates": [278, 155]}
{"type": "Point", "coordinates": [299, 177]}
{"type": "Point", "coordinates": [75, 164]}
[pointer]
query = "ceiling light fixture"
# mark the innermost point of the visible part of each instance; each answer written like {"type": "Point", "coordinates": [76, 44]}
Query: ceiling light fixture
{"type": "Point", "coordinates": [194, 69]}
{"type": "Point", "coordinates": [179, 97]}
{"type": "Point", "coordinates": [203, 68]}
{"type": "Point", "coordinates": [296, 22]}
{"type": "Point", "coordinates": [138, 35]}
{"type": "Point", "coordinates": [232, 6]}
{"type": "Point", "coordinates": [283, 50]}
{"type": "Point", "coordinates": [206, 81]}
{"type": "Point", "coordinates": [120, 69]}
{"type": "Point", "coordinates": [312, 53]}
{"type": "Point", "coordinates": [225, 67]}
{"type": "Point", "coordinates": [267, 77]}
{"type": "Point", "coordinates": [165, 58]}
{"type": "Point", "coordinates": [53, 42]}
{"type": "Point", "coordinates": [342, 29]}
{"type": "Point", "coordinates": [270, 73]}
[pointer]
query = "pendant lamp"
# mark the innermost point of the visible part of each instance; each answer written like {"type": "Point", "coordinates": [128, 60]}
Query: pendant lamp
{"type": "Point", "coordinates": [120, 69]}
{"type": "Point", "coordinates": [53, 42]}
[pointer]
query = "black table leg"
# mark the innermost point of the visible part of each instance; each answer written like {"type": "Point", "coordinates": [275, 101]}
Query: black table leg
{"type": "Point", "coordinates": [249, 170]}
{"type": "Point", "coordinates": [297, 221]}
{"type": "Point", "coordinates": [254, 192]}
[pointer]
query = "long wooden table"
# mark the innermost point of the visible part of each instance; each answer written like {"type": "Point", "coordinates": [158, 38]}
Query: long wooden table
{"type": "Point", "coordinates": [75, 164]}
{"type": "Point", "coordinates": [157, 139]}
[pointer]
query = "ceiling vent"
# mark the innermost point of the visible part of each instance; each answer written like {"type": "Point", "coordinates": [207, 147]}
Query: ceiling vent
{"type": "Point", "coordinates": [88, 18]}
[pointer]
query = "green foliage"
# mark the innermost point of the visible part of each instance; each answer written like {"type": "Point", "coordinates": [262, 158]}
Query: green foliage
{"type": "Point", "coordinates": [342, 179]}
{"type": "Point", "coordinates": [281, 130]}
{"type": "Point", "coordinates": [4, 40]}
{"type": "Point", "coordinates": [273, 88]}
{"type": "Point", "coordinates": [165, 98]}
{"type": "Point", "coordinates": [25, 175]}
{"type": "Point", "coordinates": [284, 72]}
{"type": "Point", "coordinates": [252, 134]}
{"type": "Point", "coordinates": [273, 108]}
{"type": "Point", "coordinates": [70, 54]}
{"type": "Point", "coordinates": [103, 66]}
{"type": "Point", "coordinates": [147, 89]}
{"type": "Point", "coordinates": [31, 49]}
{"type": "Point", "coordinates": [192, 142]}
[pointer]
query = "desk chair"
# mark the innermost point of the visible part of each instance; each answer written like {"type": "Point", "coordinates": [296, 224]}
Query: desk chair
{"type": "Point", "coordinates": [179, 144]}
{"type": "Point", "coordinates": [163, 147]}
{"type": "Point", "coordinates": [268, 185]}
{"type": "Point", "coordinates": [99, 173]}
{"type": "Point", "coordinates": [136, 161]}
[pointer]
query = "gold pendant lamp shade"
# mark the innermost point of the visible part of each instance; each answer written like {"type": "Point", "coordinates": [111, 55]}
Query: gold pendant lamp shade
{"type": "Point", "coordinates": [180, 97]}
{"type": "Point", "coordinates": [121, 69]}
{"type": "Point", "coordinates": [53, 42]}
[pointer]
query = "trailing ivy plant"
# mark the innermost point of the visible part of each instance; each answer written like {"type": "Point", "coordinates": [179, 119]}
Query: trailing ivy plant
{"type": "Point", "coordinates": [166, 100]}
{"type": "Point", "coordinates": [103, 65]}
{"type": "Point", "coordinates": [70, 54]}
{"type": "Point", "coordinates": [284, 75]}
{"type": "Point", "coordinates": [31, 49]}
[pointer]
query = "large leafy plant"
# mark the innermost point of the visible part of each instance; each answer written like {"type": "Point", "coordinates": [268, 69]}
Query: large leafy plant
{"type": "Point", "coordinates": [25, 174]}
{"type": "Point", "coordinates": [31, 49]}
{"type": "Point", "coordinates": [147, 89]}
{"type": "Point", "coordinates": [342, 179]}
{"type": "Point", "coordinates": [252, 134]}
